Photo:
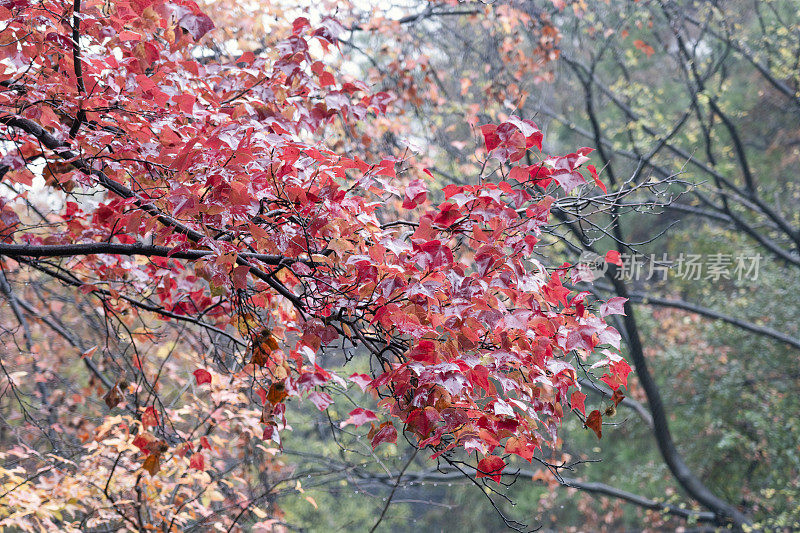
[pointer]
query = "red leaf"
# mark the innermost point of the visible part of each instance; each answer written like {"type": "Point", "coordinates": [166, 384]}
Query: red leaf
{"type": "Point", "coordinates": [612, 256]}
{"type": "Point", "coordinates": [262, 394]}
{"type": "Point", "coordinates": [619, 375]}
{"type": "Point", "coordinates": [595, 422]}
{"type": "Point", "coordinates": [150, 417]}
{"type": "Point", "coordinates": [326, 78]}
{"type": "Point", "coordinates": [421, 421]}
{"type": "Point", "coordinates": [424, 352]}
{"type": "Point", "coordinates": [185, 102]}
{"type": "Point", "coordinates": [143, 441]}
{"type": "Point", "coordinates": [492, 467]}
{"type": "Point", "coordinates": [197, 461]}
{"type": "Point", "coordinates": [593, 171]}
{"type": "Point", "coordinates": [386, 433]}
{"type": "Point", "coordinates": [490, 137]}
{"type": "Point", "coordinates": [576, 402]}
{"type": "Point", "coordinates": [183, 449]}
{"type": "Point", "coordinates": [299, 24]}
{"type": "Point", "coordinates": [247, 57]}
{"type": "Point", "coordinates": [202, 376]}
{"type": "Point", "coordinates": [148, 444]}
{"type": "Point", "coordinates": [57, 38]}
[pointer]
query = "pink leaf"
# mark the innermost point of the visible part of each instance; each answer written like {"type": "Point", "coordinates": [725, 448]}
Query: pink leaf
{"type": "Point", "coordinates": [197, 24]}
{"type": "Point", "coordinates": [416, 193]}
{"type": "Point", "coordinates": [126, 35]}
{"type": "Point", "coordinates": [568, 179]}
{"type": "Point", "coordinates": [362, 380]}
{"type": "Point", "coordinates": [359, 417]}
{"type": "Point", "coordinates": [614, 306]}
{"type": "Point", "coordinates": [321, 400]}
{"type": "Point", "coordinates": [239, 276]}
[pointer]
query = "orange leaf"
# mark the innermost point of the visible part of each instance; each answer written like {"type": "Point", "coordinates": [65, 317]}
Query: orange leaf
{"type": "Point", "coordinates": [521, 447]}
{"type": "Point", "coordinates": [277, 393]}
{"type": "Point", "coordinates": [152, 463]}
{"type": "Point", "coordinates": [644, 47]}
{"type": "Point", "coordinates": [263, 345]}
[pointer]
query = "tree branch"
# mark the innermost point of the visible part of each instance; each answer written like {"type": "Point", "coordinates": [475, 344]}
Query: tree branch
{"type": "Point", "coordinates": [647, 299]}
{"type": "Point", "coordinates": [69, 338]}
{"type": "Point", "coordinates": [632, 404]}
{"type": "Point", "coordinates": [587, 486]}
{"type": "Point", "coordinates": [69, 250]}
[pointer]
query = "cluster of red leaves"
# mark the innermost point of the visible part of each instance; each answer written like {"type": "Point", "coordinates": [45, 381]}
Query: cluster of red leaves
{"type": "Point", "coordinates": [473, 335]}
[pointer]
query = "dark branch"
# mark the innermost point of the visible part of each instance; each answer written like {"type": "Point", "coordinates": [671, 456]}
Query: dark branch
{"type": "Point", "coordinates": [69, 250]}
{"type": "Point", "coordinates": [587, 486]}
{"type": "Point", "coordinates": [710, 313]}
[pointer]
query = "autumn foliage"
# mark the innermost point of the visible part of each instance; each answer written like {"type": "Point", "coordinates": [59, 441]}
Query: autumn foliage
{"type": "Point", "coordinates": [202, 192]}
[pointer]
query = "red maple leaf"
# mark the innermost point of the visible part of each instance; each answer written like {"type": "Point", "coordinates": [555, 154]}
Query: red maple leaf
{"type": "Point", "coordinates": [492, 467]}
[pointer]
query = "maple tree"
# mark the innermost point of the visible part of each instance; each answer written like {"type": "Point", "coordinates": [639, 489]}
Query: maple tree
{"type": "Point", "coordinates": [702, 99]}
{"type": "Point", "coordinates": [192, 193]}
